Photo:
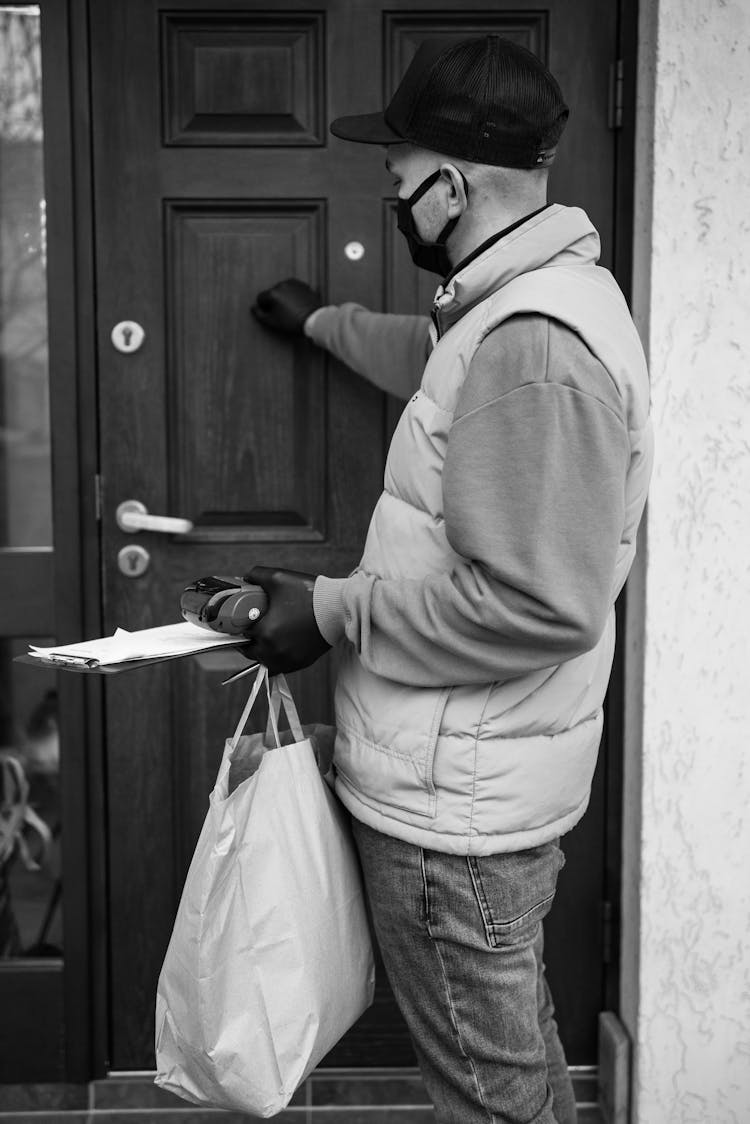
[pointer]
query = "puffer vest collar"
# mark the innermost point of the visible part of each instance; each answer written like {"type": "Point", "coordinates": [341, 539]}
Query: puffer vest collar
{"type": "Point", "coordinates": [560, 234]}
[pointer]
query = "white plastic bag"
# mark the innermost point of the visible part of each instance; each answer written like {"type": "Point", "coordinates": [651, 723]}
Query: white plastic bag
{"type": "Point", "coordinates": [270, 960]}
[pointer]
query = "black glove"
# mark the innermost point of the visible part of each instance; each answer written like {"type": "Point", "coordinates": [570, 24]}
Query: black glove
{"type": "Point", "coordinates": [286, 306]}
{"type": "Point", "coordinates": [286, 637]}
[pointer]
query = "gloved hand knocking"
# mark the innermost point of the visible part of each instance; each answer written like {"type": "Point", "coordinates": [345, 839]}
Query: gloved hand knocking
{"type": "Point", "coordinates": [286, 306]}
{"type": "Point", "coordinates": [286, 638]}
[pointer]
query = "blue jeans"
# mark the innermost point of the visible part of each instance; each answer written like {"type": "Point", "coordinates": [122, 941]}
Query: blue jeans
{"type": "Point", "coordinates": [461, 940]}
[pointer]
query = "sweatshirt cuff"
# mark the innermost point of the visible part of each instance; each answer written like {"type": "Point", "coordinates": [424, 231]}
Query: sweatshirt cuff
{"type": "Point", "coordinates": [309, 325]}
{"type": "Point", "coordinates": [328, 606]}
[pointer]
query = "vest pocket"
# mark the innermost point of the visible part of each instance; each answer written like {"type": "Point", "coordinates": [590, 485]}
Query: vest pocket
{"type": "Point", "coordinates": [385, 742]}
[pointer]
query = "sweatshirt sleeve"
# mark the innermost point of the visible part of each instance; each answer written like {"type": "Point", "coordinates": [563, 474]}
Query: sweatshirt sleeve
{"type": "Point", "coordinates": [534, 493]}
{"type": "Point", "coordinates": [389, 350]}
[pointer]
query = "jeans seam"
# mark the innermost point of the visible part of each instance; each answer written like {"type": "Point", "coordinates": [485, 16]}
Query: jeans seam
{"type": "Point", "coordinates": [484, 908]}
{"type": "Point", "coordinates": [444, 974]}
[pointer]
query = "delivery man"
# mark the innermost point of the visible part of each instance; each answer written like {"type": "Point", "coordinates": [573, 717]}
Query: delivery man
{"type": "Point", "coordinates": [477, 632]}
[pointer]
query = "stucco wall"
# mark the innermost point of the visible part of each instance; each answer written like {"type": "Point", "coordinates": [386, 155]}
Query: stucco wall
{"type": "Point", "coordinates": [687, 972]}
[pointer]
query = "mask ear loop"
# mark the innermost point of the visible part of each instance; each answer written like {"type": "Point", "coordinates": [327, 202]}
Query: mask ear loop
{"type": "Point", "coordinates": [423, 188]}
{"type": "Point", "coordinates": [426, 184]}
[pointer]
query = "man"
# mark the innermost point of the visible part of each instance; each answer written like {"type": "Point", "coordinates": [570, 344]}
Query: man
{"type": "Point", "coordinates": [477, 632]}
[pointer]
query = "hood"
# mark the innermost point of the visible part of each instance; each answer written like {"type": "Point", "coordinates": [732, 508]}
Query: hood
{"type": "Point", "coordinates": [557, 236]}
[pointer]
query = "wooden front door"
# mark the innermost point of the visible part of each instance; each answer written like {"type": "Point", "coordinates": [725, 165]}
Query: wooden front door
{"type": "Point", "coordinates": [215, 176]}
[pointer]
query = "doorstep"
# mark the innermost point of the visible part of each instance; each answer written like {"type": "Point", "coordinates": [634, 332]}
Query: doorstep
{"type": "Point", "coordinates": [328, 1096]}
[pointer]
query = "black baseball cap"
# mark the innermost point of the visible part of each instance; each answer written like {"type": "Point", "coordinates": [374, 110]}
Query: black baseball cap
{"type": "Point", "coordinates": [487, 100]}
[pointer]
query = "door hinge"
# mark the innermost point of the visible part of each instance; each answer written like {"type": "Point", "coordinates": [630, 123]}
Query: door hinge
{"type": "Point", "coordinates": [616, 83]}
{"type": "Point", "coordinates": [98, 496]}
{"type": "Point", "coordinates": [607, 932]}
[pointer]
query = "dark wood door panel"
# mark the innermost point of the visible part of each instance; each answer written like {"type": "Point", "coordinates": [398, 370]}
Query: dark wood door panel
{"type": "Point", "coordinates": [243, 78]}
{"type": "Point", "coordinates": [215, 176]}
{"type": "Point", "coordinates": [246, 411]}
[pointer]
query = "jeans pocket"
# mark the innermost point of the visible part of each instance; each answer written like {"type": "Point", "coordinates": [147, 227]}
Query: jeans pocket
{"type": "Point", "coordinates": [515, 891]}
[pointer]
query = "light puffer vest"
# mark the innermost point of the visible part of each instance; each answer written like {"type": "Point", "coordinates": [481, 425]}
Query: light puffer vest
{"type": "Point", "coordinates": [496, 766]}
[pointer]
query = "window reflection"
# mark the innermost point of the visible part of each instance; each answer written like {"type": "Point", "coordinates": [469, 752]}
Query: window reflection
{"type": "Point", "coordinates": [30, 881]}
{"type": "Point", "coordinates": [25, 489]}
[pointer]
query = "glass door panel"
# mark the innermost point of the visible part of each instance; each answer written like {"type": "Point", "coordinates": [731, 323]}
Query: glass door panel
{"type": "Point", "coordinates": [30, 830]}
{"type": "Point", "coordinates": [31, 940]}
{"type": "Point", "coordinates": [25, 496]}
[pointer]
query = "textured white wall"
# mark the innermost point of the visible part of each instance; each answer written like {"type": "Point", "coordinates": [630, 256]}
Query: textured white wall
{"type": "Point", "coordinates": [692, 1060]}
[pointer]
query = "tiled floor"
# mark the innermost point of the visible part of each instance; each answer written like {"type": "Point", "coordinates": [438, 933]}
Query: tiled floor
{"type": "Point", "coordinates": [395, 1115]}
{"type": "Point", "coordinates": [327, 1097]}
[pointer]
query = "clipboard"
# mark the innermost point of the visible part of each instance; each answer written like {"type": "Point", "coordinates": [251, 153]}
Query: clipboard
{"type": "Point", "coordinates": [117, 668]}
{"type": "Point", "coordinates": [124, 651]}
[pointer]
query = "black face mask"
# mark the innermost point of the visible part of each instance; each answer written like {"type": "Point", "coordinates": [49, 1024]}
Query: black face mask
{"type": "Point", "coordinates": [431, 256]}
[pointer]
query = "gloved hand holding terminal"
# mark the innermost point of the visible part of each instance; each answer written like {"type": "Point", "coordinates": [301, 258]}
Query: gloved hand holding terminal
{"type": "Point", "coordinates": [272, 607]}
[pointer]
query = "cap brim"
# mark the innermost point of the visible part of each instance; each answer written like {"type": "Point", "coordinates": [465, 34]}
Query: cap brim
{"type": "Point", "coordinates": [366, 128]}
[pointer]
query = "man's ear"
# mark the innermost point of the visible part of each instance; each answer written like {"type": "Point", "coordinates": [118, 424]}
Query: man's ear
{"type": "Point", "coordinates": [458, 199]}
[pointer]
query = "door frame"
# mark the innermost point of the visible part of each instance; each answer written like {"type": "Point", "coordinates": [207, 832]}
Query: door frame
{"type": "Point", "coordinates": [76, 500]}
{"type": "Point", "coordinates": [77, 587]}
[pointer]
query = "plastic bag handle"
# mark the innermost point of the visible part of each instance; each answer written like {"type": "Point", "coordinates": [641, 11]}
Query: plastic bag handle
{"type": "Point", "coordinates": [260, 678]}
{"type": "Point", "coordinates": [279, 695]}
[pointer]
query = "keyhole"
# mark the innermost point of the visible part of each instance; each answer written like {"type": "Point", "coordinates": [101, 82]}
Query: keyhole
{"type": "Point", "coordinates": [132, 561]}
{"type": "Point", "coordinates": [127, 336]}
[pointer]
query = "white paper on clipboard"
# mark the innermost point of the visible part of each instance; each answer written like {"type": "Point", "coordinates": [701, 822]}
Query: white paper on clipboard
{"type": "Point", "coordinates": [149, 643]}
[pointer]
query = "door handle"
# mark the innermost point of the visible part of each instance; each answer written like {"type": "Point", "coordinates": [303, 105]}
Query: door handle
{"type": "Point", "coordinates": [132, 516]}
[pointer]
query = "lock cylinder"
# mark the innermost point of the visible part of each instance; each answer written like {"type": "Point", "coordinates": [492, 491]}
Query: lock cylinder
{"type": "Point", "coordinates": [133, 560]}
